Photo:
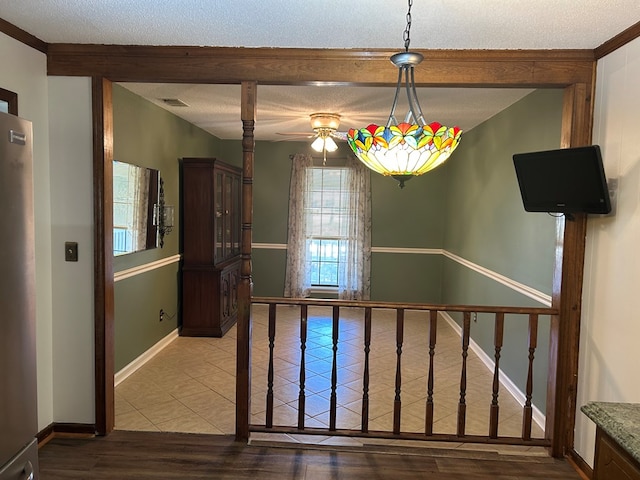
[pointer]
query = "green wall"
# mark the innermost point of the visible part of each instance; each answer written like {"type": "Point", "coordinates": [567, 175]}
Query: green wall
{"type": "Point", "coordinates": [149, 136]}
{"type": "Point", "coordinates": [486, 222]}
{"type": "Point", "coordinates": [470, 206]}
{"type": "Point", "coordinates": [487, 225]}
{"type": "Point", "coordinates": [396, 222]}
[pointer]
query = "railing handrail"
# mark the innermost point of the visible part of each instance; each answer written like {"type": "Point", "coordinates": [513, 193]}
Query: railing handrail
{"type": "Point", "coordinates": [435, 310]}
{"type": "Point", "coordinates": [324, 302]}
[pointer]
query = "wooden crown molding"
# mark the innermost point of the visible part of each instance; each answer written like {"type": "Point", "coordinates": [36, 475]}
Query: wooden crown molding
{"type": "Point", "coordinates": [22, 36]}
{"type": "Point", "coordinates": [618, 41]}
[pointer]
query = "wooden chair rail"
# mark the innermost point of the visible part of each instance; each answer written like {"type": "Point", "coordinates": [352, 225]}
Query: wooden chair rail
{"type": "Point", "coordinates": [531, 315]}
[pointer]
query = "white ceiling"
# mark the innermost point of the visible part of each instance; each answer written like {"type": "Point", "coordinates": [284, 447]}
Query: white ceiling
{"type": "Point", "coordinates": [464, 24]}
{"type": "Point", "coordinates": [285, 110]}
{"type": "Point", "coordinates": [436, 24]}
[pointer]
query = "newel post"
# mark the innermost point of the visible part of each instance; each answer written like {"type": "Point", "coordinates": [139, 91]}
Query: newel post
{"type": "Point", "coordinates": [243, 362]}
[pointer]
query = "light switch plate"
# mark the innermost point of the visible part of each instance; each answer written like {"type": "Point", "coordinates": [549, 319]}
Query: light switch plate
{"type": "Point", "coordinates": [71, 251]}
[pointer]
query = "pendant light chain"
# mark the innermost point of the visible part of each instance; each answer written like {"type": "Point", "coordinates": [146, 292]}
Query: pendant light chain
{"type": "Point", "coordinates": [405, 35]}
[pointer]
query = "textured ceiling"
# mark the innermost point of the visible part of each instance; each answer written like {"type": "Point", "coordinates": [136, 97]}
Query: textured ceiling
{"type": "Point", "coordinates": [437, 24]}
{"type": "Point", "coordinates": [466, 24]}
{"type": "Point", "coordinates": [285, 110]}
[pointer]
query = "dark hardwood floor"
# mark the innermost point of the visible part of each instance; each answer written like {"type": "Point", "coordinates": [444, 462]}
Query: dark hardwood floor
{"type": "Point", "coordinates": [145, 455]}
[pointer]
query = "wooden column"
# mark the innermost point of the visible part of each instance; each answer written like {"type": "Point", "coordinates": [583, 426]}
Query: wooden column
{"type": "Point", "coordinates": [567, 287]}
{"type": "Point", "coordinates": [245, 289]}
{"type": "Point", "coordinates": [102, 105]}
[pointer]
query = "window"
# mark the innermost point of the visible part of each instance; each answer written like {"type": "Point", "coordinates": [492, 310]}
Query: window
{"type": "Point", "coordinates": [327, 216]}
{"type": "Point", "coordinates": [329, 246]}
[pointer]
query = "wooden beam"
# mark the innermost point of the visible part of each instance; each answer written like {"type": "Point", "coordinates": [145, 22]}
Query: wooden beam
{"type": "Point", "coordinates": [302, 66]}
{"type": "Point", "coordinates": [102, 103]}
{"type": "Point", "coordinates": [245, 289]}
{"type": "Point", "coordinates": [567, 287]}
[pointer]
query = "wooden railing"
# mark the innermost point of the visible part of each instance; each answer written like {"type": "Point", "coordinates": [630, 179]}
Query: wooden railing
{"type": "Point", "coordinates": [423, 364]}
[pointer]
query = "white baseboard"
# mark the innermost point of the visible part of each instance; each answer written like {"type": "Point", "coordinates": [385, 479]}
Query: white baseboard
{"type": "Point", "coordinates": [122, 375]}
{"type": "Point", "coordinates": [511, 387]}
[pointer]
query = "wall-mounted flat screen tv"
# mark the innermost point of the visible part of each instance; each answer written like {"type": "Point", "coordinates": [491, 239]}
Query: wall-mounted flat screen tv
{"type": "Point", "coordinates": [568, 180]}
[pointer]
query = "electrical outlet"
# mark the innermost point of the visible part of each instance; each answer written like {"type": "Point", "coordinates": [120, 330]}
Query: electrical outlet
{"type": "Point", "coordinates": [161, 314]}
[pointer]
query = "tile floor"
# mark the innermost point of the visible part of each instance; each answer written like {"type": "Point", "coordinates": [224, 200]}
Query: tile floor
{"type": "Point", "coordinates": [190, 385]}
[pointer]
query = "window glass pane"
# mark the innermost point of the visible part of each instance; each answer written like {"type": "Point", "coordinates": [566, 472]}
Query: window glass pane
{"type": "Point", "coordinates": [327, 217]}
{"type": "Point", "coordinates": [315, 199]}
{"type": "Point", "coordinates": [329, 274]}
{"type": "Point", "coordinates": [331, 200]}
{"type": "Point", "coordinates": [313, 250]}
{"type": "Point", "coordinates": [314, 273]}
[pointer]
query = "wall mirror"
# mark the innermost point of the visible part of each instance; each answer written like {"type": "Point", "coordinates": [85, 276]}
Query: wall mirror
{"type": "Point", "coordinates": [135, 191]}
{"type": "Point", "coordinates": [8, 102]}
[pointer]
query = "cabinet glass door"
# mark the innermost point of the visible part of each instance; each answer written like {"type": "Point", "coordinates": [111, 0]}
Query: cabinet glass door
{"type": "Point", "coordinates": [228, 190]}
{"type": "Point", "coordinates": [219, 220]}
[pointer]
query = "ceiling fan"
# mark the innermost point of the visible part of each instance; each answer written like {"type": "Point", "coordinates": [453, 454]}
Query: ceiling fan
{"type": "Point", "coordinates": [325, 128]}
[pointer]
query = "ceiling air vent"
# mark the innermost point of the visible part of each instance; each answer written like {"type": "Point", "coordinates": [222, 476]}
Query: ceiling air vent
{"type": "Point", "coordinates": [174, 102]}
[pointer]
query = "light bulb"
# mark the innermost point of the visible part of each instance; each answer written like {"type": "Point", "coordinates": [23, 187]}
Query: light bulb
{"type": "Point", "coordinates": [330, 145]}
{"type": "Point", "coordinates": [318, 144]}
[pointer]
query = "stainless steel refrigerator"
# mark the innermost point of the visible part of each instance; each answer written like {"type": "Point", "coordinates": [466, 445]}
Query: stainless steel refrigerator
{"type": "Point", "coordinates": [18, 403]}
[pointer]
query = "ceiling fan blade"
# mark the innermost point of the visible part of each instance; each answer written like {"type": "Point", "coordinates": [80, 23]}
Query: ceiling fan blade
{"type": "Point", "coordinates": [297, 134]}
{"type": "Point", "coordinates": [294, 136]}
{"type": "Point", "coordinates": [339, 135]}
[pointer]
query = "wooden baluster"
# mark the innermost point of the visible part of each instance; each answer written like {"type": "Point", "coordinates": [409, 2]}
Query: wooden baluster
{"type": "Point", "coordinates": [462, 406]}
{"type": "Point", "coordinates": [528, 410]}
{"type": "Point", "coordinates": [495, 408]}
{"type": "Point", "coordinates": [433, 329]}
{"type": "Point", "coordinates": [365, 380]}
{"type": "Point", "coordinates": [303, 347]}
{"type": "Point", "coordinates": [334, 369]}
{"type": "Point", "coordinates": [272, 340]}
{"type": "Point", "coordinates": [397, 403]}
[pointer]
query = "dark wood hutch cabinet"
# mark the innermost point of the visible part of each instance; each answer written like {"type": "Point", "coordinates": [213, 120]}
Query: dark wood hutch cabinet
{"type": "Point", "coordinates": [211, 193]}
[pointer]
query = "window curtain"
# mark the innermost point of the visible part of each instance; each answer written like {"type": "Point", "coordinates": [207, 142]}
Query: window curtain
{"type": "Point", "coordinates": [296, 283]}
{"type": "Point", "coordinates": [354, 280]}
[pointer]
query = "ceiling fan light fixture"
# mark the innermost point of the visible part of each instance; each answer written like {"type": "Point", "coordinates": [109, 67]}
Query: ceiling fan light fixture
{"type": "Point", "coordinates": [410, 148]}
{"type": "Point", "coordinates": [330, 121]}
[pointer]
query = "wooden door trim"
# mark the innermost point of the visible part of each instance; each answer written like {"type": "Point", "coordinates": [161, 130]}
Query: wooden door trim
{"type": "Point", "coordinates": [463, 69]}
{"type": "Point", "coordinates": [102, 106]}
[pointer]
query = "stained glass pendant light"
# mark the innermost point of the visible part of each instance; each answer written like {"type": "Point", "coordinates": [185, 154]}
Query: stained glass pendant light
{"type": "Point", "coordinates": [410, 148]}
